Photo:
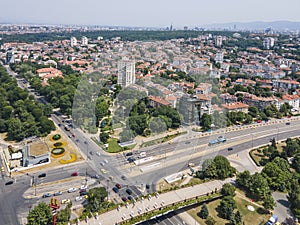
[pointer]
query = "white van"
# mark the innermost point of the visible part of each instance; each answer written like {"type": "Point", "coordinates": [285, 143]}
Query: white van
{"type": "Point", "coordinates": [142, 154]}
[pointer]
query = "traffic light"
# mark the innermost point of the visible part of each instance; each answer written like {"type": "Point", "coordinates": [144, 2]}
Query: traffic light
{"type": "Point", "coordinates": [54, 203]}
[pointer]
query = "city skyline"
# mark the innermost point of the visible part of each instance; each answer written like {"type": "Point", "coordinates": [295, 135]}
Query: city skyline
{"type": "Point", "coordinates": [154, 14]}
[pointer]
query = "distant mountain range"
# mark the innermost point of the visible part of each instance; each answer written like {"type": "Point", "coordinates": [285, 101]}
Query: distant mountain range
{"type": "Point", "coordinates": [257, 25]}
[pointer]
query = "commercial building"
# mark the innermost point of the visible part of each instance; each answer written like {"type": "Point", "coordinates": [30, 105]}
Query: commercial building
{"type": "Point", "coordinates": [35, 153]}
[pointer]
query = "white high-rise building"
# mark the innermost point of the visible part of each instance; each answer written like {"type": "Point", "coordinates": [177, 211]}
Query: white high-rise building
{"type": "Point", "coordinates": [73, 41]}
{"type": "Point", "coordinates": [218, 41]}
{"type": "Point", "coordinates": [268, 42]}
{"type": "Point", "coordinates": [126, 72]}
{"type": "Point", "coordinates": [84, 40]}
{"type": "Point", "coordinates": [219, 57]}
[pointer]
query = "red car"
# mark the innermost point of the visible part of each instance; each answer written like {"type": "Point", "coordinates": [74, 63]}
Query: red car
{"type": "Point", "coordinates": [258, 121]}
{"type": "Point", "coordinates": [118, 186]}
{"type": "Point", "coordinates": [74, 174]}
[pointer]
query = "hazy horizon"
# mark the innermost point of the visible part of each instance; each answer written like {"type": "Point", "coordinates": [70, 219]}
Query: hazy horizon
{"type": "Point", "coordinates": [134, 13]}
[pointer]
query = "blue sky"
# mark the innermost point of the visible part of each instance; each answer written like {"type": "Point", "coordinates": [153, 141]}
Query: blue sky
{"type": "Point", "coordinates": [156, 13]}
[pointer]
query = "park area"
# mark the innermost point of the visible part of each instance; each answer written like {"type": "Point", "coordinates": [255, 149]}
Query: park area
{"type": "Point", "coordinates": [243, 205]}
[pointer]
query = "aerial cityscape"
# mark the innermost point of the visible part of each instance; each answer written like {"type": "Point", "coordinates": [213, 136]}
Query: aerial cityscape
{"type": "Point", "coordinates": [166, 113]}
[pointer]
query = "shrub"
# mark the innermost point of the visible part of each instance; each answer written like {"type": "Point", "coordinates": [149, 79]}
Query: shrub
{"type": "Point", "coordinates": [56, 137]}
{"type": "Point", "coordinates": [58, 144]}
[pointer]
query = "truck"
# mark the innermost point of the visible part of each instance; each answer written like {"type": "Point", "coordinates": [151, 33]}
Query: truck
{"type": "Point", "coordinates": [220, 139]}
{"type": "Point", "coordinates": [273, 219]}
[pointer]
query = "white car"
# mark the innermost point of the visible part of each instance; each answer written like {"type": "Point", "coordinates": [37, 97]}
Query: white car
{"type": "Point", "coordinates": [72, 190]}
{"type": "Point", "coordinates": [83, 187]}
{"type": "Point", "coordinates": [78, 198]}
{"type": "Point", "coordinates": [98, 154]}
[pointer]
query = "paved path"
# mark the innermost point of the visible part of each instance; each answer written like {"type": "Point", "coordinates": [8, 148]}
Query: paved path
{"type": "Point", "coordinates": [115, 216]}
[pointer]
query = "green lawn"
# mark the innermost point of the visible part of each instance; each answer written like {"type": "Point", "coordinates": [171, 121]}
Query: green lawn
{"type": "Point", "coordinates": [113, 146]}
{"type": "Point", "coordinates": [249, 218]}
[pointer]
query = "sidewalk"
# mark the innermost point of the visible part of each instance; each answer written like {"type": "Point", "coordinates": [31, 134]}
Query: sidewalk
{"type": "Point", "coordinates": [146, 205]}
{"type": "Point", "coordinates": [140, 139]}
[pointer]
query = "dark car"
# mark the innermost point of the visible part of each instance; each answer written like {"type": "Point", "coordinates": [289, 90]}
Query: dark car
{"type": "Point", "coordinates": [115, 189]}
{"type": "Point", "coordinates": [131, 159]}
{"type": "Point", "coordinates": [124, 199]}
{"type": "Point", "coordinates": [230, 149]}
{"type": "Point", "coordinates": [42, 175]}
{"type": "Point", "coordinates": [9, 182]}
{"type": "Point", "coordinates": [118, 186]}
{"type": "Point", "coordinates": [130, 197]}
{"type": "Point", "coordinates": [129, 154]}
{"type": "Point", "coordinates": [129, 191]}
{"type": "Point", "coordinates": [83, 193]}
{"type": "Point", "coordinates": [82, 190]}
{"type": "Point", "coordinates": [74, 174]}
{"type": "Point", "coordinates": [46, 195]}
{"type": "Point", "coordinates": [123, 177]}
{"type": "Point", "coordinates": [148, 186]}
{"type": "Point", "coordinates": [288, 123]}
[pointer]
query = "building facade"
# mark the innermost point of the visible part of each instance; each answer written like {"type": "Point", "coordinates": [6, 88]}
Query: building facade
{"type": "Point", "coordinates": [126, 72]}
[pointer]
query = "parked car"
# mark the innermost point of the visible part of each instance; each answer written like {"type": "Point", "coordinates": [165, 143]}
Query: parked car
{"type": "Point", "coordinates": [124, 199]}
{"type": "Point", "coordinates": [57, 193]}
{"type": "Point", "coordinates": [128, 191]}
{"type": "Point", "coordinates": [83, 187]}
{"type": "Point", "coordinates": [129, 154]}
{"type": "Point", "coordinates": [78, 198]}
{"type": "Point", "coordinates": [72, 190]}
{"type": "Point", "coordinates": [98, 154]}
{"type": "Point", "coordinates": [131, 159]}
{"type": "Point", "coordinates": [96, 176]}
{"type": "Point", "coordinates": [46, 195]}
{"type": "Point", "coordinates": [83, 193]}
{"type": "Point", "coordinates": [148, 186]}
{"type": "Point", "coordinates": [118, 186]}
{"type": "Point", "coordinates": [65, 201]}
{"type": "Point", "coordinates": [288, 123]}
{"type": "Point", "coordinates": [130, 197]}
{"type": "Point", "coordinates": [74, 174]}
{"type": "Point", "coordinates": [103, 171]}
{"type": "Point", "coordinates": [123, 177]}
{"type": "Point", "coordinates": [229, 149]}
{"type": "Point", "coordinates": [115, 189]}
{"type": "Point", "coordinates": [42, 175]}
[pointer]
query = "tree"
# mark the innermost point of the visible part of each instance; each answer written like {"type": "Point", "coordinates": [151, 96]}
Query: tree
{"type": "Point", "coordinates": [210, 221]}
{"type": "Point", "coordinates": [220, 168]}
{"type": "Point", "coordinates": [238, 217]}
{"type": "Point", "coordinates": [269, 202]}
{"type": "Point", "coordinates": [64, 215]}
{"type": "Point", "coordinates": [253, 111]}
{"type": "Point", "coordinates": [104, 136]}
{"type": "Point", "coordinates": [206, 121]}
{"type": "Point", "coordinates": [294, 198]}
{"type": "Point", "coordinates": [203, 212]}
{"type": "Point", "coordinates": [40, 215]}
{"type": "Point", "coordinates": [226, 207]}
{"type": "Point", "coordinates": [96, 198]}
{"type": "Point", "coordinates": [228, 189]}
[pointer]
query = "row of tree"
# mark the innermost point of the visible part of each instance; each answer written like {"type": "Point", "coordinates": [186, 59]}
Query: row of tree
{"type": "Point", "coordinates": [20, 115]}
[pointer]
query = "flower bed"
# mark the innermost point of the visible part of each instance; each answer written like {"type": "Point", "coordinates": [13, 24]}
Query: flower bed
{"type": "Point", "coordinates": [56, 137]}
{"type": "Point", "coordinates": [58, 152]}
{"type": "Point", "coordinates": [73, 158]}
